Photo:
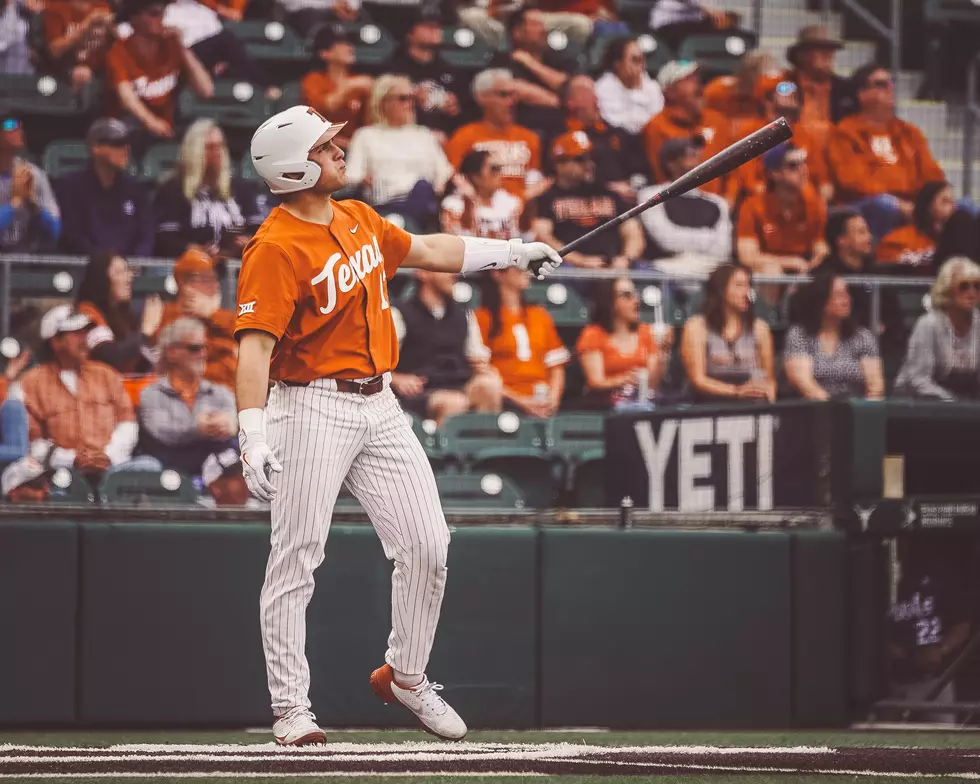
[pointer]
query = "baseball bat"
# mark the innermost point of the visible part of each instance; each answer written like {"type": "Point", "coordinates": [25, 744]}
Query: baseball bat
{"type": "Point", "coordinates": [733, 156]}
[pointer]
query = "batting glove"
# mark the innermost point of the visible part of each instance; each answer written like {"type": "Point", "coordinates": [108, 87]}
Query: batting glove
{"type": "Point", "coordinates": [539, 258]}
{"type": "Point", "coordinates": [258, 461]}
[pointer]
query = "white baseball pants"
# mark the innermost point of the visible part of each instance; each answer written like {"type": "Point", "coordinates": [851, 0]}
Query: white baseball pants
{"type": "Point", "coordinates": [324, 438]}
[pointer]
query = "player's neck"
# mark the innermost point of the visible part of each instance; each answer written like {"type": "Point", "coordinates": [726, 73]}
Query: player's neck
{"type": "Point", "coordinates": [310, 207]}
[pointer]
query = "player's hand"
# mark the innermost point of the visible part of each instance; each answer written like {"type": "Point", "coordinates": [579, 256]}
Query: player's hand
{"type": "Point", "coordinates": [539, 258]}
{"type": "Point", "coordinates": [258, 464]}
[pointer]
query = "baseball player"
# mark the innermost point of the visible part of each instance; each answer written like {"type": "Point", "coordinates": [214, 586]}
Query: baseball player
{"type": "Point", "coordinates": [314, 318]}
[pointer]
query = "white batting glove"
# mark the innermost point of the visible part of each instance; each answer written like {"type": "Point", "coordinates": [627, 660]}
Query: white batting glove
{"type": "Point", "coordinates": [538, 257]}
{"type": "Point", "coordinates": [258, 461]}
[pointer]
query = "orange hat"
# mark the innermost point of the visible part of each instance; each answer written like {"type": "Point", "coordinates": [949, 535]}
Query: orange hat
{"type": "Point", "coordinates": [571, 145]}
{"type": "Point", "coordinates": [192, 262]}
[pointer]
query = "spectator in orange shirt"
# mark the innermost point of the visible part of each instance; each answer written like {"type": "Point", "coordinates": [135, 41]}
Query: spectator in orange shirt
{"type": "Point", "coordinates": [514, 147]}
{"type": "Point", "coordinates": [684, 116]}
{"type": "Point", "coordinates": [523, 344]}
{"type": "Point", "coordinates": [878, 162]}
{"type": "Point", "coordinates": [331, 88]}
{"type": "Point", "coordinates": [827, 98]}
{"type": "Point", "coordinates": [478, 205]}
{"type": "Point", "coordinates": [911, 248]}
{"type": "Point", "coordinates": [736, 96]}
{"type": "Point", "coordinates": [619, 355]}
{"type": "Point", "coordinates": [782, 229]}
{"type": "Point", "coordinates": [199, 296]}
{"type": "Point", "coordinates": [77, 34]}
{"type": "Point", "coordinates": [145, 69]}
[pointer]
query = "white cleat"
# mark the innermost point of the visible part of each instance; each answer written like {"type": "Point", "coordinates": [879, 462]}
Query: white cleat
{"type": "Point", "coordinates": [298, 727]}
{"type": "Point", "coordinates": [433, 712]}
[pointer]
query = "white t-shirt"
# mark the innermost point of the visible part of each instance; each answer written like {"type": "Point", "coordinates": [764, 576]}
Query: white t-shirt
{"type": "Point", "coordinates": [396, 159]}
{"type": "Point", "coordinates": [196, 22]}
{"type": "Point", "coordinates": [628, 109]}
{"type": "Point", "coordinates": [500, 219]}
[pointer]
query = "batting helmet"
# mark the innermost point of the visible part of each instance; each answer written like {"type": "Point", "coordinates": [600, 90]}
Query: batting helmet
{"type": "Point", "coordinates": [281, 145]}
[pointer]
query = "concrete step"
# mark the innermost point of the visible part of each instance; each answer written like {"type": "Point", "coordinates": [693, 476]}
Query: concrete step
{"type": "Point", "coordinates": [930, 116]}
{"type": "Point", "coordinates": [854, 54]}
{"type": "Point", "coordinates": [779, 22]}
{"type": "Point", "coordinates": [746, 7]}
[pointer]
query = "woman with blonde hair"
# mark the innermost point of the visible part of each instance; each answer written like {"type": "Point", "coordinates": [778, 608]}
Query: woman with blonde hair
{"type": "Point", "coordinates": [398, 165]}
{"type": "Point", "coordinates": [943, 359]}
{"type": "Point", "coordinates": [201, 202]}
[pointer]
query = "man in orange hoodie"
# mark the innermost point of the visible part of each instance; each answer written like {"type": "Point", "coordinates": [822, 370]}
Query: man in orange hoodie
{"type": "Point", "coordinates": [877, 162]}
{"type": "Point", "coordinates": [684, 117]}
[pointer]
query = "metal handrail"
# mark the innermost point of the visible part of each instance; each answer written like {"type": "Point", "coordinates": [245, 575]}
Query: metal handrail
{"type": "Point", "coordinates": [893, 34]}
{"type": "Point", "coordinates": [970, 123]}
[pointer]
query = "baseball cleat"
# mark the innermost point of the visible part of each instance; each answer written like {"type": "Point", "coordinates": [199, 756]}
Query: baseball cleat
{"type": "Point", "coordinates": [434, 714]}
{"type": "Point", "coordinates": [298, 727]}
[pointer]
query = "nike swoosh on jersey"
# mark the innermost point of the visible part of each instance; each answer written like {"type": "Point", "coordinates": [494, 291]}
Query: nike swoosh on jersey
{"type": "Point", "coordinates": [356, 225]}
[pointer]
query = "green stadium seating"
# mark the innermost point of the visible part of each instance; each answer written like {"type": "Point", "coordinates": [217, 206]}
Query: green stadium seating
{"type": "Point", "coordinates": [61, 158]}
{"type": "Point", "coordinates": [580, 441]}
{"type": "Point", "coordinates": [76, 491]}
{"type": "Point", "coordinates": [291, 96]}
{"type": "Point", "coordinates": [373, 45]}
{"type": "Point", "coordinates": [657, 52]}
{"type": "Point", "coordinates": [153, 281]}
{"type": "Point", "coordinates": [246, 169]}
{"type": "Point", "coordinates": [44, 281]}
{"type": "Point", "coordinates": [951, 11]}
{"type": "Point", "coordinates": [269, 41]}
{"type": "Point", "coordinates": [249, 109]}
{"type": "Point", "coordinates": [159, 161]}
{"type": "Point", "coordinates": [564, 303]}
{"type": "Point", "coordinates": [718, 53]}
{"type": "Point", "coordinates": [462, 48]}
{"type": "Point", "coordinates": [147, 487]}
{"type": "Point", "coordinates": [429, 440]}
{"type": "Point", "coordinates": [478, 491]}
{"type": "Point", "coordinates": [27, 94]}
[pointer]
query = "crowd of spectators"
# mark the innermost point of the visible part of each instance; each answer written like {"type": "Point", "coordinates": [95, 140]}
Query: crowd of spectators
{"type": "Point", "coordinates": [526, 146]}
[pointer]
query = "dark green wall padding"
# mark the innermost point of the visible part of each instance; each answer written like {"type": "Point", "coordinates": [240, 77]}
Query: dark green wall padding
{"type": "Point", "coordinates": [540, 627]}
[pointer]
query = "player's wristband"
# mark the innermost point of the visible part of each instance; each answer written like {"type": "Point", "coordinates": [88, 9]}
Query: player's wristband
{"type": "Point", "coordinates": [482, 254]}
{"type": "Point", "coordinates": [252, 420]}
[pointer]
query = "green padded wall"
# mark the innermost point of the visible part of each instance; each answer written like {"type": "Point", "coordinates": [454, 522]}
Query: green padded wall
{"type": "Point", "coordinates": [665, 629]}
{"type": "Point", "coordinates": [819, 569]}
{"type": "Point", "coordinates": [38, 582]}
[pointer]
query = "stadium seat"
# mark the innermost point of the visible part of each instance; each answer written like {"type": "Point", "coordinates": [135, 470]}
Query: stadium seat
{"type": "Point", "coordinates": [269, 41]}
{"type": "Point", "coordinates": [481, 491]}
{"type": "Point", "coordinates": [657, 52]}
{"type": "Point", "coordinates": [462, 48]}
{"type": "Point", "coordinates": [564, 303]}
{"type": "Point", "coordinates": [290, 96]}
{"type": "Point", "coordinates": [154, 281]}
{"type": "Point", "coordinates": [147, 487]}
{"type": "Point", "coordinates": [580, 441]}
{"type": "Point", "coordinates": [427, 435]}
{"type": "Point", "coordinates": [44, 281]}
{"type": "Point", "coordinates": [70, 487]}
{"type": "Point", "coordinates": [719, 53]}
{"type": "Point", "coordinates": [159, 161]}
{"type": "Point", "coordinates": [61, 158]}
{"type": "Point", "coordinates": [27, 94]}
{"type": "Point", "coordinates": [373, 45]}
{"type": "Point", "coordinates": [951, 11]}
{"type": "Point", "coordinates": [235, 105]}
{"type": "Point", "coordinates": [246, 169]}
{"type": "Point", "coordinates": [504, 444]}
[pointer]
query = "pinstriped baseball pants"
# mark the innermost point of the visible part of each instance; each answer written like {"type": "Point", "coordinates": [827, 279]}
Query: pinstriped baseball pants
{"type": "Point", "coordinates": [324, 438]}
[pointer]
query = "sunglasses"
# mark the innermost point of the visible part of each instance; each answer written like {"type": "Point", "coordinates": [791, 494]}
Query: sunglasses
{"type": "Point", "coordinates": [631, 294]}
{"type": "Point", "coordinates": [194, 348]}
{"type": "Point", "coordinates": [10, 125]}
{"type": "Point", "coordinates": [785, 88]}
{"type": "Point", "coordinates": [966, 285]}
{"type": "Point", "coordinates": [794, 164]}
{"type": "Point", "coordinates": [504, 93]}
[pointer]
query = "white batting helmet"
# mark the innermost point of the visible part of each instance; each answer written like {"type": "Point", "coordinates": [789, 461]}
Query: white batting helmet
{"type": "Point", "coordinates": [281, 145]}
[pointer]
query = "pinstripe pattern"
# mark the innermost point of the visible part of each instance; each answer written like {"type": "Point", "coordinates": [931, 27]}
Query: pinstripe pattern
{"type": "Point", "coordinates": [323, 438]}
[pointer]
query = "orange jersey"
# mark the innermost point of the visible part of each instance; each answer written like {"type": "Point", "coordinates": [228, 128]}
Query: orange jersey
{"type": "Point", "coordinates": [315, 88]}
{"type": "Point", "coordinates": [517, 150]}
{"type": "Point", "coordinates": [815, 112]}
{"type": "Point", "coordinates": [65, 18]}
{"type": "Point", "coordinates": [750, 178]}
{"type": "Point", "coordinates": [721, 95]}
{"type": "Point", "coordinates": [526, 347]}
{"type": "Point", "coordinates": [322, 291]}
{"type": "Point", "coordinates": [908, 246]}
{"type": "Point", "coordinates": [154, 76]}
{"type": "Point", "coordinates": [782, 232]}
{"type": "Point", "coordinates": [671, 124]}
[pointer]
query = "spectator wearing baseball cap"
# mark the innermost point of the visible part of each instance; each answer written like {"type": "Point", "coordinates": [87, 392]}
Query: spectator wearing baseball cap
{"type": "Point", "coordinates": [692, 233]}
{"type": "Point", "coordinates": [628, 97]}
{"type": "Point", "coordinates": [878, 163]}
{"type": "Point", "coordinates": [145, 70]}
{"type": "Point", "coordinates": [105, 208]}
{"type": "Point", "coordinates": [29, 216]}
{"type": "Point", "coordinates": [782, 229]}
{"type": "Point", "coordinates": [79, 415]}
{"type": "Point", "coordinates": [575, 205]}
{"type": "Point", "coordinates": [331, 88]}
{"type": "Point", "coordinates": [199, 296]}
{"type": "Point", "coordinates": [77, 36]}
{"type": "Point", "coordinates": [826, 97]}
{"type": "Point", "coordinates": [684, 116]}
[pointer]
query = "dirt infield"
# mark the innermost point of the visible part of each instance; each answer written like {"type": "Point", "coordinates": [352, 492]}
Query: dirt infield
{"type": "Point", "coordinates": [420, 759]}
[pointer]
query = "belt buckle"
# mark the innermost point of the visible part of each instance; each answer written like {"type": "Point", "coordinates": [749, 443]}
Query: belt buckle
{"type": "Point", "coordinates": [360, 387]}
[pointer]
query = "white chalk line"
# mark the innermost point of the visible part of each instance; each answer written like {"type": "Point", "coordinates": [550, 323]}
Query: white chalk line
{"type": "Point", "coordinates": [255, 775]}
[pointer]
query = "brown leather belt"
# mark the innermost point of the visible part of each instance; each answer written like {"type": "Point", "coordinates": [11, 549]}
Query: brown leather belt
{"type": "Point", "coordinates": [370, 387]}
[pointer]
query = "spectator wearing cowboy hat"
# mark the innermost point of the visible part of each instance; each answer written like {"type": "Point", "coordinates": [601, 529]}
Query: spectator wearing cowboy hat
{"type": "Point", "coordinates": [827, 98]}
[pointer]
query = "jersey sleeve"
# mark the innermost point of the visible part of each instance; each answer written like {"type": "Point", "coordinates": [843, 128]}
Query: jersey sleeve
{"type": "Point", "coordinates": [555, 353]}
{"type": "Point", "coordinates": [395, 244]}
{"type": "Point", "coordinates": [746, 228]}
{"type": "Point", "coordinates": [589, 340]}
{"type": "Point", "coordinates": [267, 290]}
{"type": "Point", "coordinates": [117, 69]}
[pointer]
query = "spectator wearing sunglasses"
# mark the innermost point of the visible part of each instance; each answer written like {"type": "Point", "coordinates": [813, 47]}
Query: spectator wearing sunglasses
{"type": "Point", "coordinates": [575, 205]}
{"type": "Point", "coordinates": [479, 206]}
{"type": "Point", "coordinates": [943, 360]}
{"type": "Point", "coordinates": [188, 423]}
{"type": "Point", "coordinates": [29, 216]}
{"type": "Point", "coordinates": [628, 97]}
{"type": "Point", "coordinates": [911, 248]}
{"type": "Point", "coordinates": [878, 163]}
{"type": "Point", "coordinates": [399, 165]}
{"type": "Point", "coordinates": [782, 229]}
{"type": "Point", "coordinates": [104, 208]}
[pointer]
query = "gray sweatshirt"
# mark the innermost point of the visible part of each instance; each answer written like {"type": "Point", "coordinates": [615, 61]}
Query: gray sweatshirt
{"type": "Point", "coordinates": [939, 359]}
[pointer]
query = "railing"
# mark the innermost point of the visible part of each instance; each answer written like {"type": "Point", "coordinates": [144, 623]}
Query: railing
{"type": "Point", "coordinates": [970, 118]}
{"type": "Point", "coordinates": [891, 34]}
